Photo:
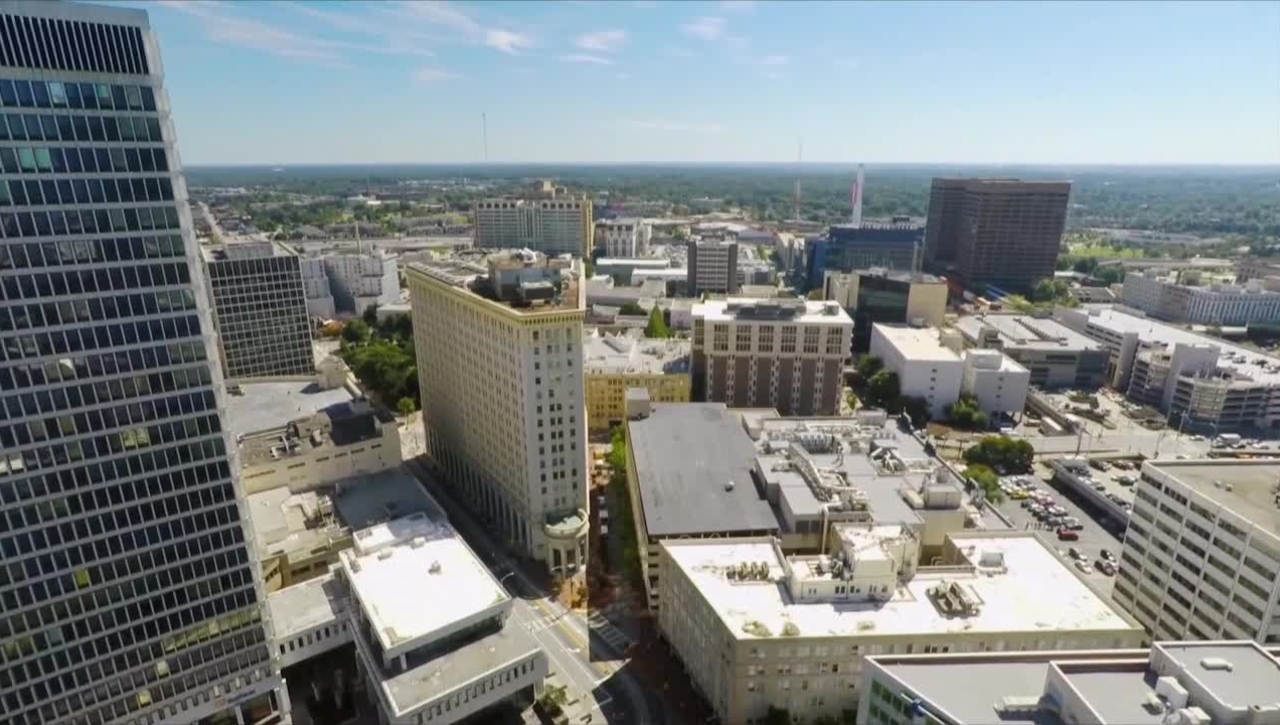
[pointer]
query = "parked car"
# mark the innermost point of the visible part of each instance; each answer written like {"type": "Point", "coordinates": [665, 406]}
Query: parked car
{"type": "Point", "coordinates": [1099, 464]}
{"type": "Point", "coordinates": [1073, 552]}
{"type": "Point", "coordinates": [1083, 566]}
{"type": "Point", "coordinates": [1106, 567]}
{"type": "Point", "coordinates": [1068, 535]}
{"type": "Point", "coordinates": [1105, 554]}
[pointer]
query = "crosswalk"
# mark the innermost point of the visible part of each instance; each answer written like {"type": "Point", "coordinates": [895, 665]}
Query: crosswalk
{"type": "Point", "coordinates": [609, 633]}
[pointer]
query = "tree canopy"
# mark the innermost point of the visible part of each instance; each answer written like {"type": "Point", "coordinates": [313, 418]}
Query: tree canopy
{"type": "Point", "coordinates": [657, 326]}
{"type": "Point", "coordinates": [987, 480]}
{"type": "Point", "coordinates": [384, 360]}
{"type": "Point", "coordinates": [965, 413]}
{"type": "Point", "coordinates": [1002, 452]}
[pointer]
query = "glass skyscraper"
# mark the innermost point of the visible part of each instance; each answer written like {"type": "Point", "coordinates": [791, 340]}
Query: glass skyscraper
{"type": "Point", "coordinates": [128, 590]}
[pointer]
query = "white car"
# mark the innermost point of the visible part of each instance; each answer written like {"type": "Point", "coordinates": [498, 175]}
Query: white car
{"type": "Point", "coordinates": [1084, 566]}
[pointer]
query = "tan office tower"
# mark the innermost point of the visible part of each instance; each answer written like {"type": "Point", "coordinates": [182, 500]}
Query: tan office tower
{"type": "Point", "coordinates": [499, 349]}
{"type": "Point", "coordinates": [780, 354]}
{"type": "Point", "coordinates": [1005, 232]}
{"type": "Point", "coordinates": [559, 225]}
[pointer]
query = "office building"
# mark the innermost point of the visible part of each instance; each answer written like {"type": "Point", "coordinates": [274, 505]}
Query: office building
{"type": "Point", "coordinates": [759, 630]}
{"type": "Point", "coordinates": [997, 231]}
{"type": "Point", "coordinates": [713, 267]}
{"type": "Point", "coordinates": [614, 363]}
{"type": "Point", "coordinates": [997, 382]}
{"type": "Point", "coordinates": [1169, 299]}
{"type": "Point", "coordinates": [1251, 268]}
{"type": "Point", "coordinates": [844, 248]}
{"type": "Point", "coordinates": [259, 310]}
{"type": "Point", "coordinates": [557, 225]}
{"type": "Point", "coordinates": [361, 280]}
{"type": "Point", "coordinates": [624, 238]}
{"type": "Point", "coordinates": [499, 348]}
{"type": "Point", "coordinates": [316, 289]}
{"type": "Point", "coordinates": [925, 369]}
{"type": "Point", "coordinates": [701, 470]}
{"type": "Point", "coordinates": [624, 269]}
{"type": "Point", "coordinates": [1202, 550]}
{"type": "Point", "coordinates": [1188, 683]}
{"type": "Point", "coordinates": [1056, 355]}
{"type": "Point", "coordinates": [1217, 386]}
{"type": "Point", "coordinates": [885, 295]}
{"type": "Point", "coordinates": [128, 587]}
{"type": "Point", "coordinates": [782, 354]}
{"type": "Point", "coordinates": [299, 434]}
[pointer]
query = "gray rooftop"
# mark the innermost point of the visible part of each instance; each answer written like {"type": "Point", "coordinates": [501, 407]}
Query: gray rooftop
{"type": "Point", "coordinates": [686, 454]}
{"type": "Point", "coordinates": [268, 406]}
{"type": "Point", "coordinates": [1254, 677]}
{"type": "Point", "coordinates": [970, 698]}
{"type": "Point", "coordinates": [308, 604]}
{"type": "Point", "coordinates": [1253, 486]}
{"type": "Point", "coordinates": [366, 500]}
{"type": "Point", "coordinates": [606, 354]}
{"type": "Point", "coordinates": [1028, 332]}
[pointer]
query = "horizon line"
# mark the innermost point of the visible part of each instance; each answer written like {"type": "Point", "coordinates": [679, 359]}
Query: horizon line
{"type": "Point", "coordinates": [499, 164]}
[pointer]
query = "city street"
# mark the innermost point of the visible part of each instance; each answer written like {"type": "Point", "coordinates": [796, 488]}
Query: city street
{"type": "Point", "coordinates": [585, 657]}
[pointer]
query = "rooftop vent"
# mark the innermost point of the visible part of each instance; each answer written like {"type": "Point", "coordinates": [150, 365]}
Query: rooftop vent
{"type": "Point", "coordinates": [434, 568]}
{"type": "Point", "coordinates": [729, 486]}
{"type": "Point", "coordinates": [1217, 663]}
{"type": "Point", "coordinates": [384, 554]}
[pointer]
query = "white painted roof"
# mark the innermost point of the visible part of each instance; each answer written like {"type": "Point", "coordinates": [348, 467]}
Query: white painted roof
{"type": "Point", "coordinates": [915, 343]}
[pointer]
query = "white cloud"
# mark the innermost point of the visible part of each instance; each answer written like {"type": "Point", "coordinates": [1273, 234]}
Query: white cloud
{"type": "Point", "coordinates": [602, 41]}
{"type": "Point", "coordinates": [587, 59]}
{"type": "Point", "coordinates": [452, 18]}
{"type": "Point", "coordinates": [506, 41]}
{"type": "Point", "coordinates": [432, 75]}
{"type": "Point", "coordinates": [659, 124]}
{"type": "Point", "coordinates": [706, 28]}
{"type": "Point", "coordinates": [221, 26]}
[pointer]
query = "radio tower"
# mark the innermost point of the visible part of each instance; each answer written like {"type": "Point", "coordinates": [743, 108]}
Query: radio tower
{"type": "Point", "coordinates": [856, 218]}
{"type": "Point", "coordinates": [795, 202]}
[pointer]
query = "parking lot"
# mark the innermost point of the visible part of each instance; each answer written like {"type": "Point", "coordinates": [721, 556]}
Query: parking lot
{"type": "Point", "coordinates": [1094, 536]}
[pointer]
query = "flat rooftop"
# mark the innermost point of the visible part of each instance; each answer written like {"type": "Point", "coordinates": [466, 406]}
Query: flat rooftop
{"type": "Point", "coordinates": [1258, 366]}
{"type": "Point", "coordinates": [686, 454]}
{"type": "Point", "coordinates": [915, 343]}
{"type": "Point", "coordinates": [268, 406]}
{"type": "Point", "coordinates": [245, 250]}
{"type": "Point", "coordinates": [1253, 486]}
{"type": "Point", "coordinates": [751, 309]}
{"type": "Point", "coordinates": [471, 274]}
{"type": "Point", "coordinates": [1035, 592]}
{"type": "Point", "coordinates": [1028, 332]}
{"type": "Point", "coordinates": [606, 354]}
{"type": "Point", "coordinates": [306, 605]}
{"type": "Point", "coordinates": [414, 577]}
{"type": "Point", "coordinates": [1254, 677]}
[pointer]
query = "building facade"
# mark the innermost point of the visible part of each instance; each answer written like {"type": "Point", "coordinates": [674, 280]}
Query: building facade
{"type": "Point", "coordinates": [1227, 305]}
{"type": "Point", "coordinates": [614, 364]}
{"type": "Point", "coordinates": [996, 381]}
{"type": "Point", "coordinates": [713, 267]}
{"type": "Point", "coordinates": [259, 310]}
{"type": "Point", "coordinates": [624, 238]}
{"type": "Point", "coordinates": [1057, 355]}
{"type": "Point", "coordinates": [997, 231]}
{"type": "Point", "coordinates": [925, 369]}
{"type": "Point", "coordinates": [882, 295]}
{"type": "Point", "coordinates": [1202, 550]}
{"type": "Point", "coordinates": [559, 225]}
{"type": "Point", "coordinates": [127, 575]}
{"type": "Point", "coordinates": [361, 280]}
{"type": "Point", "coordinates": [894, 246]}
{"type": "Point", "coordinates": [500, 369]}
{"type": "Point", "coordinates": [316, 288]}
{"type": "Point", "coordinates": [782, 354]}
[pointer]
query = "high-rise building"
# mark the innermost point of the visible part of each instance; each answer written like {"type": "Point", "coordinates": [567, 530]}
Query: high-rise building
{"type": "Point", "coordinates": [361, 280]}
{"type": "Point", "coordinates": [895, 245]}
{"type": "Point", "coordinates": [259, 310]}
{"type": "Point", "coordinates": [1168, 298]}
{"type": "Point", "coordinates": [780, 354]}
{"type": "Point", "coordinates": [624, 238]}
{"type": "Point", "coordinates": [558, 225]}
{"type": "Point", "coordinates": [316, 288]}
{"type": "Point", "coordinates": [884, 295]}
{"type": "Point", "coordinates": [998, 231]}
{"type": "Point", "coordinates": [1202, 550]}
{"type": "Point", "coordinates": [499, 349]}
{"type": "Point", "coordinates": [713, 267]}
{"type": "Point", "coordinates": [129, 590]}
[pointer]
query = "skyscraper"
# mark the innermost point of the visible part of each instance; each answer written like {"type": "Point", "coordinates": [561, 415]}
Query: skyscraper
{"type": "Point", "coordinates": [999, 231]}
{"type": "Point", "coordinates": [127, 590]}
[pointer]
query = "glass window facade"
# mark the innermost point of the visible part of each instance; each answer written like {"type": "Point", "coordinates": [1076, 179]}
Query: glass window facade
{"type": "Point", "coordinates": [126, 586]}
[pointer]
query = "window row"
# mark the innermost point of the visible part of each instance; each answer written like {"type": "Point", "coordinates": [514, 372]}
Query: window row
{"type": "Point", "coordinates": [93, 96]}
{"type": "Point", "coordinates": [44, 127]}
{"type": "Point", "coordinates": [70, 160]}
{"type": "Point", "coordinates": [89, 367]}
{"type": "Point", "coordinates": [104, 446]}
{"type": "Point", "coordinates": [67, 192]}
{"type": "Point", "coordinates": [99, 221]}
{"type": "Point", "coordinates": [39, 286]}
{"type": "Point", "coordinates": [90, 251]}
{"type": "Point", "coordinates": [62, 342]}
{"type": "Point", "coordinates": [96, 309]}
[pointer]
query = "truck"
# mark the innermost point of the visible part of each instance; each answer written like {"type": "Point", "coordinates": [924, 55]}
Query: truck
{"type": "Point", "coordinates": [1226, 440]}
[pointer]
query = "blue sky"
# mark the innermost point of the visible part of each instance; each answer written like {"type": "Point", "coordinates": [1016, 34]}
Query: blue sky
{"type": "Point", "coordinates": [618, 81]}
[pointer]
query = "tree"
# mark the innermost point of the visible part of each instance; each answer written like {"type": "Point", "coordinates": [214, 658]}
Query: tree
{"type": "Point", "coordinates": [965, 413]}
{"type": "Point", "coordinates": [1045, 291]}
{"type": "Point", "coordinates": [631, 308]}
{"type": "Point", "coordinates": [987, 480]}
{"type": "Point", "coordinates": [882, 389]}
{"type": "Point", "coordinates": [657, 326]}
{"type": "Point", "coordinates": [355, 331]}
{"type": "Point", "coordinates": [405, 406]}
{"type": "Point", "coordinates": [869, 365]}
{"type": "Point", "coordinates": [1001, 452]}
{"type": "Point", "coordinates": [777, 716]}
{"type": "Point", "coordinates": [370, 315]}
{"type": "Point", "coordinates": [1085, 264]}
{"type": "Point", "coordinates": [917, 409]}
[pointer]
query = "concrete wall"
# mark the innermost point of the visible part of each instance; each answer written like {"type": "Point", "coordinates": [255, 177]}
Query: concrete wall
{"type": "Point", "coordinates": [309, 471]}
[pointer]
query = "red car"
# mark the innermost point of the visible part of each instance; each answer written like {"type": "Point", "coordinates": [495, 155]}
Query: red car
{"type": "Point", "coordinates": [1067, 535]}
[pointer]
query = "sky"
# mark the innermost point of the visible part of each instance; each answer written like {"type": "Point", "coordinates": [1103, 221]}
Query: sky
{"type": "Point", "coordinates": [650, 82]}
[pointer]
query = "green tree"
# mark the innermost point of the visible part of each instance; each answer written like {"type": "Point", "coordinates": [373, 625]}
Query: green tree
{"type": "Point", "coordinates": [1045, 291]}
{"type": "Point", "coordinates": [657, 326]}
{"type": "Point", "coordinates": [999, 451]}
{"type": "Point", "coordinates": [882, 389]}
{"type": "Point", "coordinates": [917, 409]}
{"type": "Point", "coordinates": [986, 479]}
{"type": "Point", "coordinates": [370, 315]}
{"type": "Point", "coordinates": [869, 365]}
{"type": "Point", "coordinates": [355, 331]}
{"type": "Point", "coordinates": [1085, 264]}
{"type": "Point", "coordinates": [777, 716]}
{"type": "Point", "coordinates": [631, 308]}
{"type": "Point", "coordinates": [965, 413]}
{"type": "Point", "coordinates": [405, 406]}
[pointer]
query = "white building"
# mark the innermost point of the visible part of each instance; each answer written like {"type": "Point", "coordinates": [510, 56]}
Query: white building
{"type": "Point", "coordinates": [1202, 551]}
{"type": "Point", "coordinates": [361, 280]}
{"type": "Point", "coordinates": [757, 629]}
{"type": "Point", "coordinates": [316, 288]}
{"type": "Point", "coordinates": [924, 367]}
{"type": "Point", "coordinates": [499, 350]}
{"type": "Point", "coordinates": [625, 238]}
{"type": "Point", "coordinates": [559, 225]}
{"type": "Point", "coordinates": [1167, 298]}
{"type": "Point", "coordinates": [997, 382]}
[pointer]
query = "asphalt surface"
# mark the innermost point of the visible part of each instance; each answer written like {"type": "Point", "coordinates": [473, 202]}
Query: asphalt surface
{"type": "Point", "coordinates": [1094, 537]}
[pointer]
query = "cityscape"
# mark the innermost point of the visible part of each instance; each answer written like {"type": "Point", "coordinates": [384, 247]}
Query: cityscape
{"type": "Point", "coordinates": [799, 441]}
